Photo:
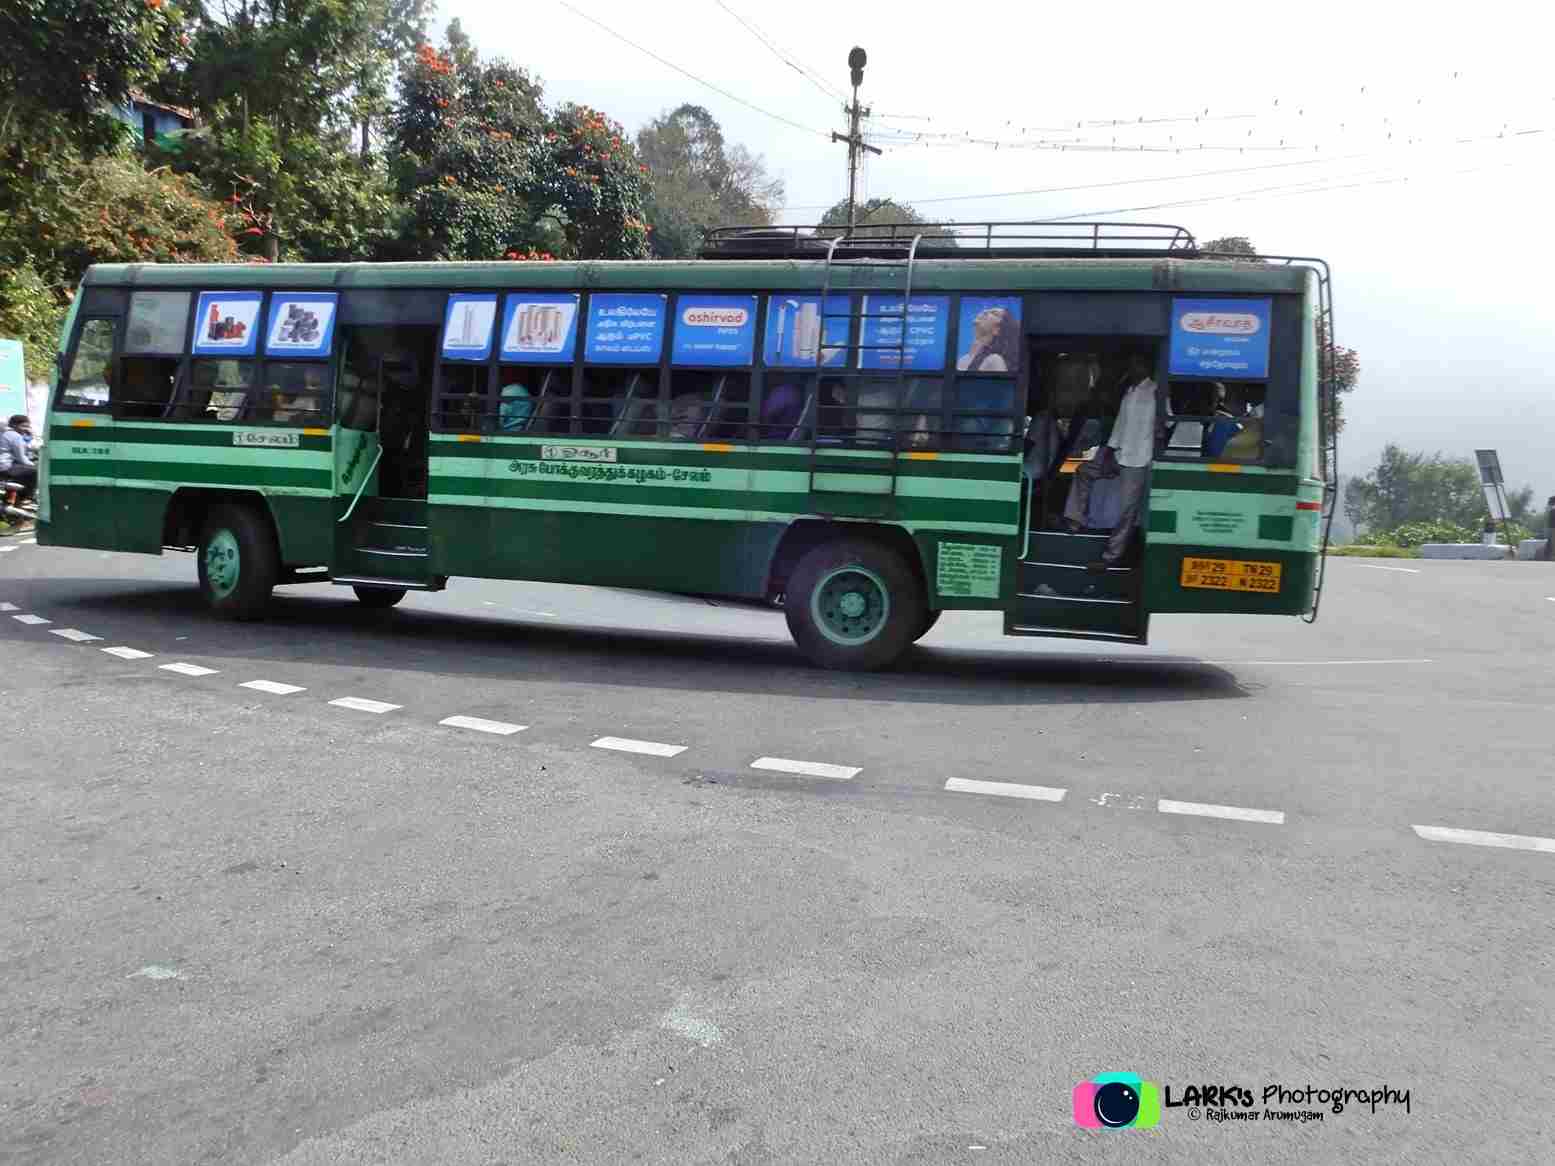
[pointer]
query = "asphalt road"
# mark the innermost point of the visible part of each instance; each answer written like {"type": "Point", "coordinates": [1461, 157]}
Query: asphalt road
{"type": "Point", "coordinates": [249, 925]}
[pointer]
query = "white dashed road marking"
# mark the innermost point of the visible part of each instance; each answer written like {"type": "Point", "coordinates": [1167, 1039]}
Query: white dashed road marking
{"type": "Point", "coordinates": [187, 669]}
{"type": "Point", "coordinates": [1405, 570]}
{"type": "Point", "coordinates": [9, 607]}
{"type": "Point", "coordinates": [73, 634]}
{"type": "Point", "coordinates": [1485, 838]}
{"type": "Point", "coordinates": [272, 686]}
{"type": "Point", "coordinates": [363, 705]}
{"type": "Point", "coordinates": [29, 542]}
{"type": "Point", "coordinates": [1005, 789]}
{"type": "Point", "coordinates": [3, 550]}
{"type": "Point", "coordinates": [31, 620]}
{"type": "Point", "coordinates": [627, 745]}
{"type": "Point", "coordinates": [482, 725]}
{"type": "Point", "coordinates": [129, 653]}
{"type": "Point", "coordinates": [1236, 813]}
{"type": "Point", "coordinates": [806, 768]}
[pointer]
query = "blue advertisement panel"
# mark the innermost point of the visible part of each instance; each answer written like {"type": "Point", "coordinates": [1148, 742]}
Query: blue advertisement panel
{"type": "Point", "coordinates": [13, 379]}
{"type": "Point", "coordinates": [794, 331]}
{"type": "Point", "coordinates": [1221, 338]}
{"type": "Point", "coordinates": [716, 330]}
{"type": "Point", "coordinates": [928, 320]}
{"type": "Point", "coordinates": [625, 329]}
{"type": "Point", "coordinates": [227, 323]}
{"type": "Point", "coordinates": [467, 327]}
{"type": "Point", "coordinates": [540, 328]}
{"type": "Point", "coordinates": [301, 324]}
{"type": "Point", "coordinates": [989, 335]}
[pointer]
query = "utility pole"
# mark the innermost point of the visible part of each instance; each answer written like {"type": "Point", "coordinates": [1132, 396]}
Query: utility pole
{"type": "Point", "coordinates": [854, 139]}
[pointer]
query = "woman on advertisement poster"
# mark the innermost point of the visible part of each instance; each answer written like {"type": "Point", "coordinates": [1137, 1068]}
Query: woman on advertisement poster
{"type": "Point", "coordinates": [995, 343]}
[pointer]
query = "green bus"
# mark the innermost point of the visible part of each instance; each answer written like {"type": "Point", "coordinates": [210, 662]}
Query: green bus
{"type": "Point", "coordinates": [867, 429]}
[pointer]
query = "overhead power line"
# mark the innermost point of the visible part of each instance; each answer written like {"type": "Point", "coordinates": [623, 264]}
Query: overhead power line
{"type": "Point", "coordinates": [688, 73]}
{"type": "Point", "coordinates": [809, 75]}
{"type": "Point", "coordinates": [1159, 178]}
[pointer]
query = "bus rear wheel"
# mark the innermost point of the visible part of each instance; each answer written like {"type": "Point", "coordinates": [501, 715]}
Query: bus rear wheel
{"type": "Point", "coordinates": [379, 597]}
{"type": "Point", "coordinates": [239, 562]}
{"type": "Point", "coordinates": [854, 604]}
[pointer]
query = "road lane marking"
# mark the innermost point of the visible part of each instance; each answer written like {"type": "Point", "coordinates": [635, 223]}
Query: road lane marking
{"type": "Point", "coordinates": [482, 725]}
{"type": "Point", "coordinates": [806, 768]}
{"type": "Point", "coordinates": [1322, 663]}
{"type": "Point", "coordinates": [272, 686]}
{"type": "Point", "coordinates": [129, 653]}
{"type": "Point", "coordinates": [627, 745]}
{"type": "Point", "coordinates": [1235, 813]}
{"type": "Point", "coordinates": [31, 620]}
{"type": "Point", "coordinates": [9, 607]}
{"type": "Point", "coordinates": [187, 669]}
{"type": "Point", "coordinates": [1485, 838]}
{"type": "Point", "coordinates": [3, 550]}
{"type": "Point", "coordinates": [1375, 567]}
{"type": "Point", "coordinates": [363, 705]}
{"type": "Point", "coordinates": [1005, 789]}
{"type": "Point", "coordinates": [74, 635]}
{"type": "Point", "coordinates": [28, 542]}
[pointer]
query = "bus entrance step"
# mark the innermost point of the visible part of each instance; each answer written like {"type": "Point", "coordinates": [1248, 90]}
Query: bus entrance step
{"type": "Point", "coordinates": [1073, 580]}
{"type": "Point", "coordinates": [375, 581]}
{"type": "Point", "coordinates": [1075, 614]}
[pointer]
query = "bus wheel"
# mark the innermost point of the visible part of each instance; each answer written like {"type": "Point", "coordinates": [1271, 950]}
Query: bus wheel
{"type": "Point", "coordinates": [379, 597]}
{"type": "Point", "coordinates": [929, 620]}
{"type": "Point", "coordinates": [239, 562]}
{"type": "Point", "coordinates": [853, 604]}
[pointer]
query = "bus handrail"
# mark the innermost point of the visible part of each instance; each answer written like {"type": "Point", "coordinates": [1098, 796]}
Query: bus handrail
{"type": "Point", "coordinates": [367, 477]}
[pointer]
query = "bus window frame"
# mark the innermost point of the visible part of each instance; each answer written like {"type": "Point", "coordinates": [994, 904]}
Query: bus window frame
{"type": "Point", "coordinates": [111, 368]}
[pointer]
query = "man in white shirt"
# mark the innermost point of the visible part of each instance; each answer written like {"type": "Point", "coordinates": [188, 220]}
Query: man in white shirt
{"type": "Point", "coordinates": [1126, 456]}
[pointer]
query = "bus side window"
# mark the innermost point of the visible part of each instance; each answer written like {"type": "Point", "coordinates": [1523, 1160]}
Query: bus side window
{"type": "Point", "coordinates": [620, 402]}
{"type": "Point", "coordinates": [533, 399]}
{"type": "Point", "coordinates": [295, 392]}
{"type": "Point", "coordinates": [218, 390]}
{"type": "Point", "coordinates": [86, 387]}
{"type": "Point", "coordinates": [986, 414]}
{"type": "Point", "coordinates": [145, 386]}
{"type": "Point", "coordinates": [462, 406]}
{"type": "Point", "coordinates": [708, 406]}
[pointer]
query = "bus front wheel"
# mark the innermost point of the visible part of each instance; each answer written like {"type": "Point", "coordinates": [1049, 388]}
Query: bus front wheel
{"type": "Point", "coordinates": [854, 604]}
{"type": "Point", "coordinates": [239, 562]}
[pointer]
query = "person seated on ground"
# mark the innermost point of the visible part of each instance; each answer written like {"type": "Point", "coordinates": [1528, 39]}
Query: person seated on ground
{"type": "Point", "coordinates": [16, 461]}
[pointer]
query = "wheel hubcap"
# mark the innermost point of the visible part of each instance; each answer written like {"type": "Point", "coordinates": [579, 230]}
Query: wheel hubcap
{"type": "Point", "coordinates": [222, 565]}
{"type": "Point", "coordinates": [851, 605]}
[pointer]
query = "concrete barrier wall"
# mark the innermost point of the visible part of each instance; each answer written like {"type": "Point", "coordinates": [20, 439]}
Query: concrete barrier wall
{"type": "Point", "coordinates": [1531, 548]}
{"type": "Point", "coordinates": [1462, 551]}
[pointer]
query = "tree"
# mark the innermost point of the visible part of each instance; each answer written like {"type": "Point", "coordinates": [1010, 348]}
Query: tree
{"type": "Point", "coordinates": [700, 183]}
{"type": "Point", "coordinates": [874, 215]}
{"type": "Point", "coordinates": [486, 172]}
{"type": "Point", "coordinates": [285, 85]}
{"type": "Point", "coordinates": [1408, 488]}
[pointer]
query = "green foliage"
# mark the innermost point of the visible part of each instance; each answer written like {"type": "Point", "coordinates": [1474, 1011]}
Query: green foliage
{"type": "Point", "coordinates": [65, 61]}
{"type": "Point", "coordinates": [874, 214]}
{"type": "Point", "coordinates": [486, 172]}
{"type": "Point", "coordinates": [1412, 534]}
{"type": "Point", "coordinates": [700, 183]}
{"type": "Point", "coordinates": [1411, 487]}
{"type": "Point", "coordinates": [32, 313]}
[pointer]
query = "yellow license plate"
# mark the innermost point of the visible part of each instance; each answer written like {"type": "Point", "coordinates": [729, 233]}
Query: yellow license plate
{"type": "Point", "coordinates": [1231, 575]}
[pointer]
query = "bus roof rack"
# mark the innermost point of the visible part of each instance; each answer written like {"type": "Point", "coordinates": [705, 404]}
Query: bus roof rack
{"type": "Point", "coordinates": [985, 240]}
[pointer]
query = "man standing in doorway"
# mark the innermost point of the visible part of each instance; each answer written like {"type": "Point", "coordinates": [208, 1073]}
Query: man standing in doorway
{"type": "Point", "coordinates": [1549, 538]}
{"type": "Point", "coordinates": [1127, 456]}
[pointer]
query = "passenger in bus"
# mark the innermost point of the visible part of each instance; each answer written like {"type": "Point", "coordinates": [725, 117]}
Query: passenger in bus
{"type": "Point", "coordinates": [514, 408]}
{"type": "Point", "coordinates": [688, 413]}
{"type": "Point", "coordinates": [1126, 455]}
{"type": "Point", "coordinates": [1246, 446]}
{"type": "Point", "coordinates": [781, 409]}
{"type": "Point", "coordinates": [1226, 422]}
